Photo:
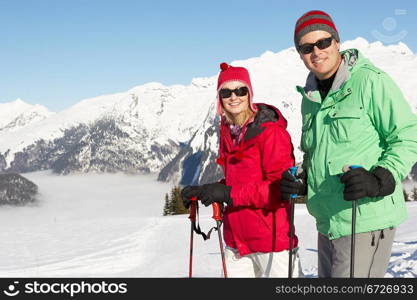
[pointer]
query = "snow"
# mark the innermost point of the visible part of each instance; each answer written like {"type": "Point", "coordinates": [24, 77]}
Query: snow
{"type": "Point", "coordinates": [102, 225]}
{"type": "Point", "coordinates": [18, 114]}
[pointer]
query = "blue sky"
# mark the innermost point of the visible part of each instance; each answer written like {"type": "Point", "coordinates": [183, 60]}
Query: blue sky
{"type": "Point", "coordinates": [58, 52]}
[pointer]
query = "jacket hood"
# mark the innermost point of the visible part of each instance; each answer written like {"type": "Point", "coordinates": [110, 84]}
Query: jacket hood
{"type": "Point", "coordinates": [268, 113]}
{"type": "Point", "coordinates": [265, 113]}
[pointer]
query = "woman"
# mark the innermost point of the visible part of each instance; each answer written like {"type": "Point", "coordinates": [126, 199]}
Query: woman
{"type": "Point", "coordinates": [255, 149]}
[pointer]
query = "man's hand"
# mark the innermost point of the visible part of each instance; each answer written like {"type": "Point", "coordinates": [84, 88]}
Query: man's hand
{"type": "Point", "coordinates": [291, 185]}
{"type": "Point", "coordinates": [361, 183]}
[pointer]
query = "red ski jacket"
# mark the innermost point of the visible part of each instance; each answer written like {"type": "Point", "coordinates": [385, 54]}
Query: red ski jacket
{"type": "Point", "coordinates": [258, 221]}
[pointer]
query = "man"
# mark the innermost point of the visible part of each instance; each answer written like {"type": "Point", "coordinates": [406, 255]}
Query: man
{"type": "Point", "coordinates": [353, 114]}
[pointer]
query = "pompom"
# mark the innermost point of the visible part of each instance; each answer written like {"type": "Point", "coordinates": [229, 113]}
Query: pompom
{"type": "Point", "coordinates": [224, 66]}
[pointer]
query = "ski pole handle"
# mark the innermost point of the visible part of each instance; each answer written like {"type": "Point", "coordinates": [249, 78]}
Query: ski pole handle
{"type": "Point", "coordinates": [217, 213]}
{"type": "Point", "coordinates": [192, 217]}
{"type": "Point", "coordinates": [193, 209]}
{"type": "Point", "coordinates": [293, 171]}
{"type": "Point", "coordinates": [347, 168]}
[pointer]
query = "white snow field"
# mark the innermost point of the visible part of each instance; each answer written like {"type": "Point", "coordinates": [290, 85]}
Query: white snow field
{"type": "Point", "coordinates": [112, 226]}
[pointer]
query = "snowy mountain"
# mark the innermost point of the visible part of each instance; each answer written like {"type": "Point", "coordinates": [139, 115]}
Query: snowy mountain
{"type": "Point", "coordinates": [196, 161]}
{"type": "Point", "coordinates": [140, 130]}
{"type": "Point", "coordinates": [19, 114]}
{"type": "Point", "coordinates": [172, 130]}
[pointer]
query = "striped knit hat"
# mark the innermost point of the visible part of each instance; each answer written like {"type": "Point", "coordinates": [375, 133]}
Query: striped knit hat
{"type": "Point", "coordinates": [314, 20]}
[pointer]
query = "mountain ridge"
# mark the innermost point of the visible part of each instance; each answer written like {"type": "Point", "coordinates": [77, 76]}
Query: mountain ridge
{"type": "Point", "coordinates": [168, 129]}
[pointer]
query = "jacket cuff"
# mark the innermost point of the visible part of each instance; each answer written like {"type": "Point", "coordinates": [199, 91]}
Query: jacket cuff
{"type": "Point", "coordinates": [228, 196]}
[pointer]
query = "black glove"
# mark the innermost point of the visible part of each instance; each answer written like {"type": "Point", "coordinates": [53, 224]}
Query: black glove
{"type": "Point", "coordinates": [290, 185]}
{"type": "Point", "coordinates": [188, 192]}
{"type": "Point", "coordinates": [207, 194]}
{"type": "Point", "coordinates": [215, 192]}
{"type": "Point", "coordinates": [361, 183]}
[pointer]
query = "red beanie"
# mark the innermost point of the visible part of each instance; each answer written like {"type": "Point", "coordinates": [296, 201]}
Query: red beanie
{"type": "Point", "coordinates": [314, 20]}
{"type": "Point", "coordinates": [230, 73]}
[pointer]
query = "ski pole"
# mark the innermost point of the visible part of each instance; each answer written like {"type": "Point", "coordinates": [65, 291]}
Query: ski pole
{"type": "Point", "coordinates": [353, 236]}
{"type": "Point", "coordinates": [218, 218]}
{"type": "Point", "coordinates": [293, 171]}
{"type": "Point", "coordinates": [193, 211]}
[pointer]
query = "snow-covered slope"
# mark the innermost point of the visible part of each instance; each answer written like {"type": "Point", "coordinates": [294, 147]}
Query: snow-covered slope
{"type": "Point", "coordinates": [168, 128]}
{"type": "Point", "coordinates": [18, 114]}
{"type": "Point", "coordinates": [107, 226]}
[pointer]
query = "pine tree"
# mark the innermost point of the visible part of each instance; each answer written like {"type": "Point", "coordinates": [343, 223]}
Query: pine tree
{"type": "Point", "coordinates": [414, 194]}
{"type": "Point", "coordinates": [166, 206]}
{"type": "Point", "coordinates": [177, 200]}
{"type": "Point", "coordinates": [171, 206]}
{"type": "Point", "coordinates": [173, 203]}
{"type": "Point", "coordinates": [406, 197]}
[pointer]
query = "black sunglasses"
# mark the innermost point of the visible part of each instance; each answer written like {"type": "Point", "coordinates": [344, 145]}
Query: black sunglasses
{"type": "Point", "coordinates": [239, 92]}
{"type": "Point", "coordinates": [321, 44]}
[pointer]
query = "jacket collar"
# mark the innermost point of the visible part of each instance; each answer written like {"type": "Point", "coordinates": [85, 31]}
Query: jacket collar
{"type": "Point", "coordinates": [266, 114]}
{"type": "Point", "coordinates": [350, 58]}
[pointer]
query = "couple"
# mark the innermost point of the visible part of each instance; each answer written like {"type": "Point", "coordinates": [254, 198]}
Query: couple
{"type": "Point", "coordinates": [353, 114]}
